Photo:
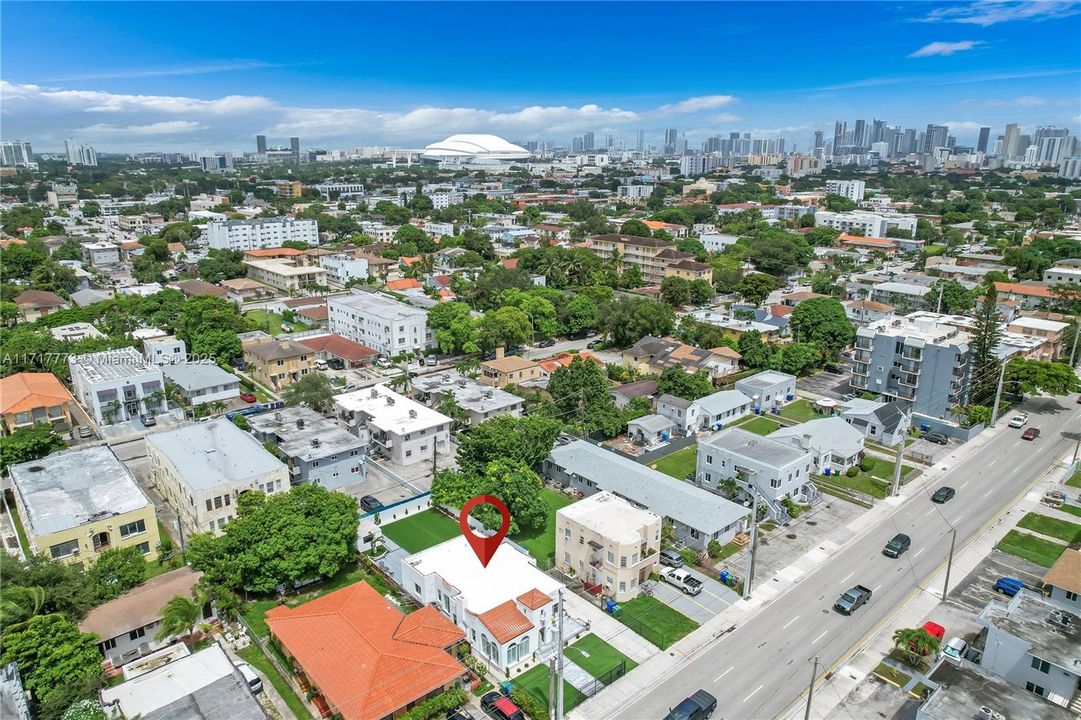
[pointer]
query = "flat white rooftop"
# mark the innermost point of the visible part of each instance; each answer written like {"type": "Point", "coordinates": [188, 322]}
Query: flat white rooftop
{"type": "Point", "coordinates": [509, 574]}
{"type": "Point", "coordinates": [610, 516]}
{"type": "Point", "coordinates": [389, 411]}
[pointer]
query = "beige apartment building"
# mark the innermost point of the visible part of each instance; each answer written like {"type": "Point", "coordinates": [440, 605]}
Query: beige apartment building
{"type": "Point", "coordinates": [604, 540]}
{"type": "Point", "coordinates": [650, 255]}
{"type": "Point", "coordinates": [285, 274]}
{"type": "Point", "coordinates": [278, 363]}
{"type": "Point", "coordinates": [509, 370]}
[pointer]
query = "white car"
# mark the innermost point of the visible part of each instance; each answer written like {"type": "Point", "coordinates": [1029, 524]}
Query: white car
{"type": "Point", "coordinates": [255, 684]}
{"type": "Point", "coordinates": [954, 650]}
{"type": "Point", "coordinates": [1018, 421]}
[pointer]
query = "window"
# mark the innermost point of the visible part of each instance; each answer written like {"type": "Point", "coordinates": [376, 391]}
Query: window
{"type": "Point", "coordinates": [227, 501]}
{"type": "Point", "coordinates": [109, 644]}
{"type": "Point", "coordinates": [611, 557]}
{"type": "Point", "coordinates": [775, 483]}
{"type": "Point", "coordinates": [64, 549]}
{"type": "Point", "coordinates": [1041, 665]}
{"type": "Point", "coordinates": [1033, 687]}
{"type": "Point", "coordinates": [139, 526]}
{"type": "Point", "coordinates": [1071, 596]}
{"type": "Point", "coordinates": [209, 504]}
{"type": "Point", "coordinates": [137, 633]}
{"type": "Point", "coordinates": [566, 557]}
{"type": "Point", "coordinates": [623, 561]}
{"type": "Point", "coordinates": [623, 587]}
{"type": "Point", "coordinates": [217, 503]}
{"type": "Point", "coordinates": [709, 459]}
{"type": "Point", "coordinates": [143, 547]}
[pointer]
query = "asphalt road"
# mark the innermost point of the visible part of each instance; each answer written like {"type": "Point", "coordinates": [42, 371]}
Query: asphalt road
{"type": "Point", "coordinates": [760, 668]}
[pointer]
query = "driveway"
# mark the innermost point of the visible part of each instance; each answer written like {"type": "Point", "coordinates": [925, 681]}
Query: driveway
{"type": "Point", "coordinates": [974, 592]}
{"type": "Point", "coordinates": [704, 606]}
{"type": "Point", "coordinates": [826, 384]}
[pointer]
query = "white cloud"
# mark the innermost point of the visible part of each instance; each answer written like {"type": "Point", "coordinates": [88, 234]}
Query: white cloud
{"type": "Point", "coordinates": [696, 104]}
{"type": "Point", "coordinates": [166, 127]}
{"type": "Point", "coordinates": [992, 12]}
{"type": "Point", "coordinates": [773, 132]}
{"type": "Point", "coordinates": [103, 102]}
{"type": "Point", "coordinates": [945, 48]}
{"type": "Point", "coordinates": [726, 118]}
{"type": "Point", "coordinates": [197, 69]}
{"type": "Point", "coordinates": [963, 125]}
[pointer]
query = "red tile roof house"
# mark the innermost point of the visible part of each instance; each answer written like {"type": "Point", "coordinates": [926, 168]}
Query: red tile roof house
{"type": "Point", "coordinates": [335, 346]}
{"type": "Point", "coordinates": [362, 657]}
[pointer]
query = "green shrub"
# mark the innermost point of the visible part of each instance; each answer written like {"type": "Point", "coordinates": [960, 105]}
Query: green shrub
{"type": "Point", "coordinates": [437, 706]}
{"type": "Point", "coordinates": [714, 549]}
{"type": "Point", "coordinates": [528, 704]}
{"type": "Point", "coordinates": [867, 464]}
{"type": "Point", "coordinates": [852, 471]}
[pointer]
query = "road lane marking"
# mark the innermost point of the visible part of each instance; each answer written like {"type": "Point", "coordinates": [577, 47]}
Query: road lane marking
{"type": "Point", "coordinates": [958, 520]}
{"type": "Point", "coordinates": [790, 622]}
{"type": "Point", "coordinates": [718, 678]}
{"type": "Point", "coordinates": [819, 637]}
{"type": "Point", "coordinates": [963, 485]}
{"type": "Point", "coordinates": [752, 693]}
{"type": "Point", "coordinates": [988, 493]}
{"type": "Point", "coordinates": [918, 552]}
{"type": "Point", "coordinates": [872, 592]}
{"type": "Point", "coordinates": [928, 512]}
{"type": "Point", "coordinates": [848, 576]}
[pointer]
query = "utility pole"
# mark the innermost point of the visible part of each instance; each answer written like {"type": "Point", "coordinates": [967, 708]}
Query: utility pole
{"type": "Point", "coordinates": [551, 685]}
{"type": "Point", "coordinates": [895, 489]}
{"type": "Point", "coordinates": [754, 543]}
{"type": "Point", "coordinates": [1076, 332]}
{"type": "Point", "coordinates": [949, 563]}
{"type": "Point", "coordinates": [559, 660]}
{"type": "Point", "coordinates": [998, 393]}
{"type": "Point", "coordinates": [938, 306]}
{"type": "Point", "coordinates": [811, 691]}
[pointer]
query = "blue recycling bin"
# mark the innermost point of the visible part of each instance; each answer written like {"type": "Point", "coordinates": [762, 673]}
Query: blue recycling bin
{"type": "Point", "coordinates": [775, 410]}
{"type": "Point", "coordinates": [506, 686]}
{"type": "Point", "coordinates": [725, 576]}
{"type": "Point", "coordinates": [924, 427]}
{"type": "Point", "coordinates": [610, 606]}
{"type": "Point", "coordinates": [829, 471]}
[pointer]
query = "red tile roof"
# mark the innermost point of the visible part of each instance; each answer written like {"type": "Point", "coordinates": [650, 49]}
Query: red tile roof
{"type": "Point", "coordinates": [26, 391]}
{"type": "Point", "coordinates": [1022, 289]}
{"type": "Point", "coordinates": [875, 242]}
{"type": "Point", "coordinates": [340, 347]}
{"type": "Point", "coordinates": [315, 313]}
{"type": "Point", "coordinates": [505, 622]}
{"type": "Point", "coordinates": [780, 310]}
{"type": "Point", "coordinates": [273, 252]}
{"type": "Point", "coordinates": [403, 284]}
{"type": "Point", "coordinates": [365, 657]}
{"type": "Point", "coordinates": [534, 599]}
{"type": "Point", "coordinates": [510, 263]}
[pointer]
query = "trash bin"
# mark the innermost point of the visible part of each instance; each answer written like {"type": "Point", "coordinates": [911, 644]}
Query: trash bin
{"type": "Point", "coordinates": [725, 576]}
{"type": "Point", "coordinates": [610, 606]}
{"type": "Point", "coordinates": [506, 686]}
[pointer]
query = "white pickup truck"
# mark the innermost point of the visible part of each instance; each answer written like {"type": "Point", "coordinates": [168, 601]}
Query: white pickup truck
{"type": "Point", "coordinates": [682, 579]}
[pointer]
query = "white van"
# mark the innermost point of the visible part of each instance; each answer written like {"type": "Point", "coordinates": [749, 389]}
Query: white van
{"type": "Point", "coordinates": [250, 677]}
{"type": "Point", "coordinates": [320, 364]}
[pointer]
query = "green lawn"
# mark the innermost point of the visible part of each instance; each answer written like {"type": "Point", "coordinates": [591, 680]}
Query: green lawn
{"type": "Point", "coordinates": [892, 674]}
{"type": "Point", "coordinates": [801, 411]}
{"type": "Point", "coordinates": [261, 318]}
{"type": "Point", "coordinates": [1075, 480]}
{"type": "Point", "coordinates": [535, 680]}
{"type": "Point", "coordinates": [254, 655]}
{"type": "Point", "coordinates": [1040, 551]}
{"type": "Point", "coordinates": [863, 483]}
{"type": "Point", "coordinates": [541, 544]}
{"type": "Point", "coordinates": [883, 470]}
{"type": "Point", "coordinates": [656, 621]}
{"type": "Point", "coordinates": [595, 656]}
{"type": "Point", "coordinates": [421, 531]}
{"type": "Point", "coordinates": [19, 530]}
{"type": "Point", "coordinates": [1065, 531]}
{"type": "Point", "coordinates": [1072, 509]}
{"type": "Point", "coordinates": [761, 425]}
{"type": "Point", "coordinates": [728, 550]}
{"type": "Point", "coordinates": [679, 464]}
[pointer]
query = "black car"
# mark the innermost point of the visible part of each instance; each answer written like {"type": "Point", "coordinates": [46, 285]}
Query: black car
{"type": "Point", "coordinates": [459, 714]}
{"type": "Point", "coordinates": [335, 364]}
{"type": "Point", "coordinates": [835, 369]}
{"type": "Point", "coordinates": [897, 546]}
{"type": "Point", "coordinates": [698, 706]}
{"type": "Point", "coordinates": [943, 494]}
{"type": "Point", "coordinates": [369, 503]}
{"type": "Point", "coordinates": [546, 343]}
{"type": "Point", "coordinates": [936, 437]}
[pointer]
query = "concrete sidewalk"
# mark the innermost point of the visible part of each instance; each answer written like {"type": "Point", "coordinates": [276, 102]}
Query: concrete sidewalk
{"type": "Point", "coordinates": [622, 693]}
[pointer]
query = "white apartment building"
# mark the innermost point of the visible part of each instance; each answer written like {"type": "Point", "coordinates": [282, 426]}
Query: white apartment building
{"type": "Point", "coordinates": [378, 231]}
{"type": "Point", "coordinates": [343, 268]}
{"type": "Point", "coordinates": [117, 385]}
{"type": "Point", "coordinates": [716, 242]}
{"type": "Point", "coordinates": [443, 200]}
{"type": "Point", "coordinates": [380, 322]}
{"type": "Point", "coordinates": [635, 192]}
{"type": "Point", "coordinates": [101, 253]}
{"type": "Point", "coordinates": [851, 189]}
{"type": "Point", "coordinates": [260, 233]}
{"type": "Point", "coordinates": [201, 468]}
{"type": "Point", "coordinates": [607, 541]}
{"type": "Point", "coordinates": [165, 350]}
{"type": "Point", "coordinates": [1062, 274]}
{"type": "Point", "coordinates": [405, 430]}
{"type": "Point", "coordinates": [864, 224]}
{"type": "Point", "coordinates": [284, 274]}
{"type": "Point", "coordinates": [438, 229]}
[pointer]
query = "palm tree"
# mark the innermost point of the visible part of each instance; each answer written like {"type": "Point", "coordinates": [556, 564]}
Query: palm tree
{"type": "Point", "coordinates": [400, 382]}
{"type": "Point", "coordinates": [18, 604]}
{"type": "Point", "coordinates": [468, 367]}
{"type": "Point", "coordinates": [179, 616]}
{"type": "Point", "coordinates": [218, 407]}
{"type": "Point", "coordinates": [915, 642]}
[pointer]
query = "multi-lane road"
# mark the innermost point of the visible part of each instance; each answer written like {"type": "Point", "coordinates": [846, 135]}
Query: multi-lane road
{"type": "Point", "coordinates": [762, 666]}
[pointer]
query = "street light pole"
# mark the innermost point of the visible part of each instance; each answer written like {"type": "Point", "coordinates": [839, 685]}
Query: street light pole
{"type": "Point", "coordinates": [895, 489]}
{"type": "Point", "coordinates": [949, 563]}
{"type": "Point", "coordinates": [754, 543]}
{"type": "Point", "coordinates": [998, 393]}
{"type": "Point", "coordinates": [811, 690]}
{"type": "Point", "coordinates": [559, 661]}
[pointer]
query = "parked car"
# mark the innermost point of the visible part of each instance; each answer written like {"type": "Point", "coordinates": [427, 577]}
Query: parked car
{"type": "Point", "coordinates": [934, 630]}
{"type": "Point", "coordinates": [431, 361]}
{"type": "Point", "coordinates": [671, 558]}
{"type": "Point", "coordinates": [459, 713]}
{"type": "Point", "coordinates": [897, 546]}
{"type": "Point", "coordinates": [335, 364]}
{"type": "Point", "coordinates": [698, 706]}
{"type": "Point", "coordinates": [1030, 434]}
{"type": "Point", "coordinates": [250, 677]}
{"type": "Point", "coordinates": [599, 345]}
{"type": "Point", "coordinates": [936, 437]}
{"type": "Point", "coordinates": [546, 343]}
{"type": "Point", "coordinates": [383, 363]}
{"type": "Point", "coordinates": [1008, 586]}
{"type": "Point", "coordinates": [320, 364]}
{"type": "Point", "coordinates": [369, 503]}
{"type": "Point", "coordinates": [943, 495]}
{"type": "Point", "coordinates": [682, 579]}
{"type": "Point", "coordinates": [148, 419]}
{"type": "Point", "coordinates": [248, 397]}
{"type": "Point", "coordinates": [1018, 420]}
{"type": "Point", "coordinates": [852, 599]}
{"type": "Point", "coordinates": [350, 388]}
{"type": "Point", "coordinates": [955, 649]}
{"type": "Point", "coordinates": [500, 707]}
{"type": "Point", "coordinates": [286, 327]}
{"type": "Point", "coordinates": [84, 432]}
{"type": "Point", "coordinates": [835, 369]}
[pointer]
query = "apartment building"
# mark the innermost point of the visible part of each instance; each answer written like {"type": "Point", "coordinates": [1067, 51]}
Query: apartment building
{"type": "Point", "coordinates": [165, 350]}
{"type": "Point", "coordinates": [406, 431]}
{"type": "Point", "coordinates": [278, 363]}
{"type": "Point", "coordinates": [508, 370]}
{"type": "Point", "coordinates": [28, 399]}
{"type": "Point", "coordinates": [380, 322]}
{"type": "Point", "coordinates": [342, 269]}
{"type": "Point", "coordinates": [260, 233]}
{"type": "Point", "coordinates": [864, 224]}
{"type": "Point", "coordinates": [851, 189]}
{"type": "Point", "coordinates": [650, 255]}
{"type": "Point", "coordinates": [1062, 274]}
{"type": "Point", "coordinates": [285, 274]}
{"type": "Point", "coordinates": [921, 362]}
{"type": "Point", "coordinates": [202, 468]}
{"type": "Point", "coordinates": [477, 400]}
{"type": "Point", "coordinates": [316, 449]}
{"type": "Point", "coordinates": [202, 382]}
{"type": "Point", "coordinates": [76, 504]}
{"type": "Point", "coordinates": [1049, 332]}
{"type": "Point", "coordinates": [101, 254]}
{"type": "Point", "coordinates": [606, 541]}
{"type": "Point", "coordinates": [117, 385]}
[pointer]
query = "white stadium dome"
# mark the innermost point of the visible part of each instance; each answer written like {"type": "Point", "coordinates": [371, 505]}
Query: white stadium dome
{"type": "Point", "coordinates": [472, 148]}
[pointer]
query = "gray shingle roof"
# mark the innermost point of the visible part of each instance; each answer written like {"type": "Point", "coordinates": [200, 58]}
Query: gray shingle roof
{"type": "Point", "coordinates": [751, 445]}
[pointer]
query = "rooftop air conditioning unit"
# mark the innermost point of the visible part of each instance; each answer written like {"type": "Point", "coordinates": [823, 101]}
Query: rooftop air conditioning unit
{"type": "Point", "coordinates": [316, 442]}
{"type": "Point", "coordinates": [300, 423]}
{"type": "Point", "coordinates": [390, 400]}
{"type": "Point", "coordinates": [412, 413]}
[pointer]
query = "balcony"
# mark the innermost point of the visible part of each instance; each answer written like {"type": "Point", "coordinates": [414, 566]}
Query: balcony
{"type": "Point", "coordinates": [908, 379]}
{"type": "Point", "coordinates": [860, 369]}
{"type": "Point", "coordinates": [863, 356]}
{"type": "Point", "coordinates": [916, 355]}
{"type": "Point", "coordinates": [908, 366]}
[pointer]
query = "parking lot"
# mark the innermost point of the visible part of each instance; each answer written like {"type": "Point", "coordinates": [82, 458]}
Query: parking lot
{"type": "Point", "coordinates": [704, 606]}
{"type": "Point", "coordinates": [974, 592]}
{"type": "Point", "coordinates": [826, 384]}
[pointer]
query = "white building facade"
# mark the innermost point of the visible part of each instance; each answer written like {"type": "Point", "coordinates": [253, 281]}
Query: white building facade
{"type": "Point", "coordinates": [260, 233]}
{"type": "Point", "coordinates": [380, 322]}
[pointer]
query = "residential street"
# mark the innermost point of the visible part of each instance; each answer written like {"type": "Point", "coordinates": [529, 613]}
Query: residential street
{"type": "Point", "coordinates": [759, 668]}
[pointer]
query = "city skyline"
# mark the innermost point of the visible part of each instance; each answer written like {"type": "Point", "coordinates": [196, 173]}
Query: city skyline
{"type": "Point", "coordinates": [963, 66]}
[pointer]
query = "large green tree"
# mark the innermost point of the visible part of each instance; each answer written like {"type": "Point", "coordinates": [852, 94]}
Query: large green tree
{"type": "Point", "coordinates": [454, 328]}
{"type": "Point", "coordinates": [689, 386]}
{"type": "Point", "coordinates": [635, 227]}
{"type": "Point", "coordinates": [986, 337]}
{"type": "Point", "coordinates": [626, 320]}
{"type": "Point", "coordinates": [528, 439]}
{"type": "Point", "coordinates": [28, 443]}
{"type": "Point", "coordinates": [117, 571]}
{"type": "Point", "coordinates": [796, 358]}
{"type": "Point", "coordinates": [823, 320]}
{"type": "Point", "coordinates": [676, 290]}
{"type": "Point", "coordinates": [756, 287]}
{"type": "Point", "coordinates": [313, 390]}
{"type": "Point", "coordinates": [754, 351]}
{"type": "Point", "coordinates": [505, 327]}
{"type": "Point", "coordinates": [1049, 378]}
{"type": "Point", "coordinates": [511, 481]}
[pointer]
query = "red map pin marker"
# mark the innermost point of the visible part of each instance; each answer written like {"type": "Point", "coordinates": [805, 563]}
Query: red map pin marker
{"type": "Point", "coordinates": [484, 547]}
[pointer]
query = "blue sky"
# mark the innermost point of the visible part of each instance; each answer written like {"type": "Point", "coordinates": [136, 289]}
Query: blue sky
{"type": "Point", "coordinates": [193, 76]}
